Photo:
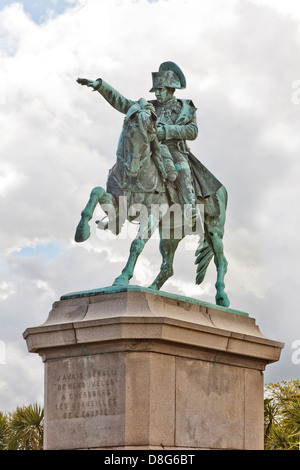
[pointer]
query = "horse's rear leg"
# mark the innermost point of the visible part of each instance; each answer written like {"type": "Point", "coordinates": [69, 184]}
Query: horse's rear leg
{"type": "Point", "coordinates": [98, 195]}
{"type": "Point", "coordinates": [215, 237]}
{"type": "Point", "coordinates": [167, 248]}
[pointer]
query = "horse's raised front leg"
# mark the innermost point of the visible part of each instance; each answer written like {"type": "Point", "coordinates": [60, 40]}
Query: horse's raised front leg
{"type": "Point", "coordinates": [98, 195]}
{"type": "Point", "coordinates": [167, 248]}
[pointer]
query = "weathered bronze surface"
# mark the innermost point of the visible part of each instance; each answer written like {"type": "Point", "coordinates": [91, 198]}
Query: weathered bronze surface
{"type": "Point", "coordinates": [158, 182]}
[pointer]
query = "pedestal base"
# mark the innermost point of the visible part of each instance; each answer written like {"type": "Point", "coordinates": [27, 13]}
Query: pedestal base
{"type": "Point", "coordinates": [131, 368]}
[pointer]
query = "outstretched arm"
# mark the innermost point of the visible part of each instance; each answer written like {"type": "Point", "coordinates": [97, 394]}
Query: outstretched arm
{"type": "Point", "coordinates": [112, 96]}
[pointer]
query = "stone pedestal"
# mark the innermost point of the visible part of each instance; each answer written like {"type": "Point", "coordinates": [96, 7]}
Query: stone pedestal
{"type": "Point", "coordinates": [132, 368]}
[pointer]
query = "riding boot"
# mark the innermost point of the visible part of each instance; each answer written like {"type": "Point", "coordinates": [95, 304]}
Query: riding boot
{"type": "Point", "coordinates": [187, 192]}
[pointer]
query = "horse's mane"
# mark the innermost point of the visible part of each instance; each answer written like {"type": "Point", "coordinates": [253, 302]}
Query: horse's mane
{"type": "Point", "coordinates": [147, 123]}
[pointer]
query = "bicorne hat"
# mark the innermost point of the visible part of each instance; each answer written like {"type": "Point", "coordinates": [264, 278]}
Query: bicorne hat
{"type": "Point", "coordinates": [169, 75]}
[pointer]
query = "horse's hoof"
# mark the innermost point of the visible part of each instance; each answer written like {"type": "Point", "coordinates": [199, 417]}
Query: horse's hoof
{"type": "Point", "coordinates": [153, 287]}
{"type": "Point", "coordinates": [102, 225]}
{"type": "Point", "coordinates": [82, 232]}
{"type": "Point", "coordinates": [222, 300]}
{"type": "Point", "coordinates": [121, 281]}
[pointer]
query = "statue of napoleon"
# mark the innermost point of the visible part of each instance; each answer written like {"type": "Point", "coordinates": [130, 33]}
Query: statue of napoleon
{"type": "Point", "coordinates": [180, 176]}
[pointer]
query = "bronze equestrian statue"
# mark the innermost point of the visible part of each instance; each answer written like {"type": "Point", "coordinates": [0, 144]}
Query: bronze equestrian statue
{"type": "Point", "coordinates": [156, 169]}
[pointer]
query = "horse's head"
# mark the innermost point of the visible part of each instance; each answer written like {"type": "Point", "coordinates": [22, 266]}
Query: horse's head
{"type": "Point", "coordinates": [139, 130]}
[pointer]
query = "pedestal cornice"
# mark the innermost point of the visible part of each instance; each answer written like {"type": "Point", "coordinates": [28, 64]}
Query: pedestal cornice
{"type": "Point", "coordinates": [133, 318]}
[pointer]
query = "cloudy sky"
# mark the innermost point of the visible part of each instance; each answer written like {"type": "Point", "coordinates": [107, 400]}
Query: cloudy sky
{"type": "Point", "coordinates": [58, 141]}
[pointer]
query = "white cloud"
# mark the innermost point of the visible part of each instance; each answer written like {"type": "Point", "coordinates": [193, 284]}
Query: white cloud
{"type": "Point", "coordinates": [8, 179]}
{"type": "Point", "coordinates": [21, 381]}
{"type": "Point", "coordinates": [59, 141]}
{"type": "Point", "coordinates": [289, 7]}
{"type": "Point", "coordinates": [6, 290]}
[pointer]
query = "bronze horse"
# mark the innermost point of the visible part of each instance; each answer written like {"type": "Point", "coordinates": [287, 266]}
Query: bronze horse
{"type": "Point", "coordinates": [139, 182]}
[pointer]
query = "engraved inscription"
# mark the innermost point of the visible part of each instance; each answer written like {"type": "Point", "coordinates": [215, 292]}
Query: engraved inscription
{"type": "Point", "coordinates": [87, 394]}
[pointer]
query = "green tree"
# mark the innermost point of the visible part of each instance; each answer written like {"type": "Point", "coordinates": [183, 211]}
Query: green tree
{"type": "Point", "coordinates": [292, 417]}
{"type": "Point", "coordinates": [270, 415]}
{"type": "Point", "coordinates": [24, 430]}
{"type": "Point", "coordinates": [282, 415]}
{"type": "Point", "coordinates": [3, 430]}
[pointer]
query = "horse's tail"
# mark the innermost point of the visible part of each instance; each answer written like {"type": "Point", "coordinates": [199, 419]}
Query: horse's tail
{"type": "Point", "coordinates": [204, 256]}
